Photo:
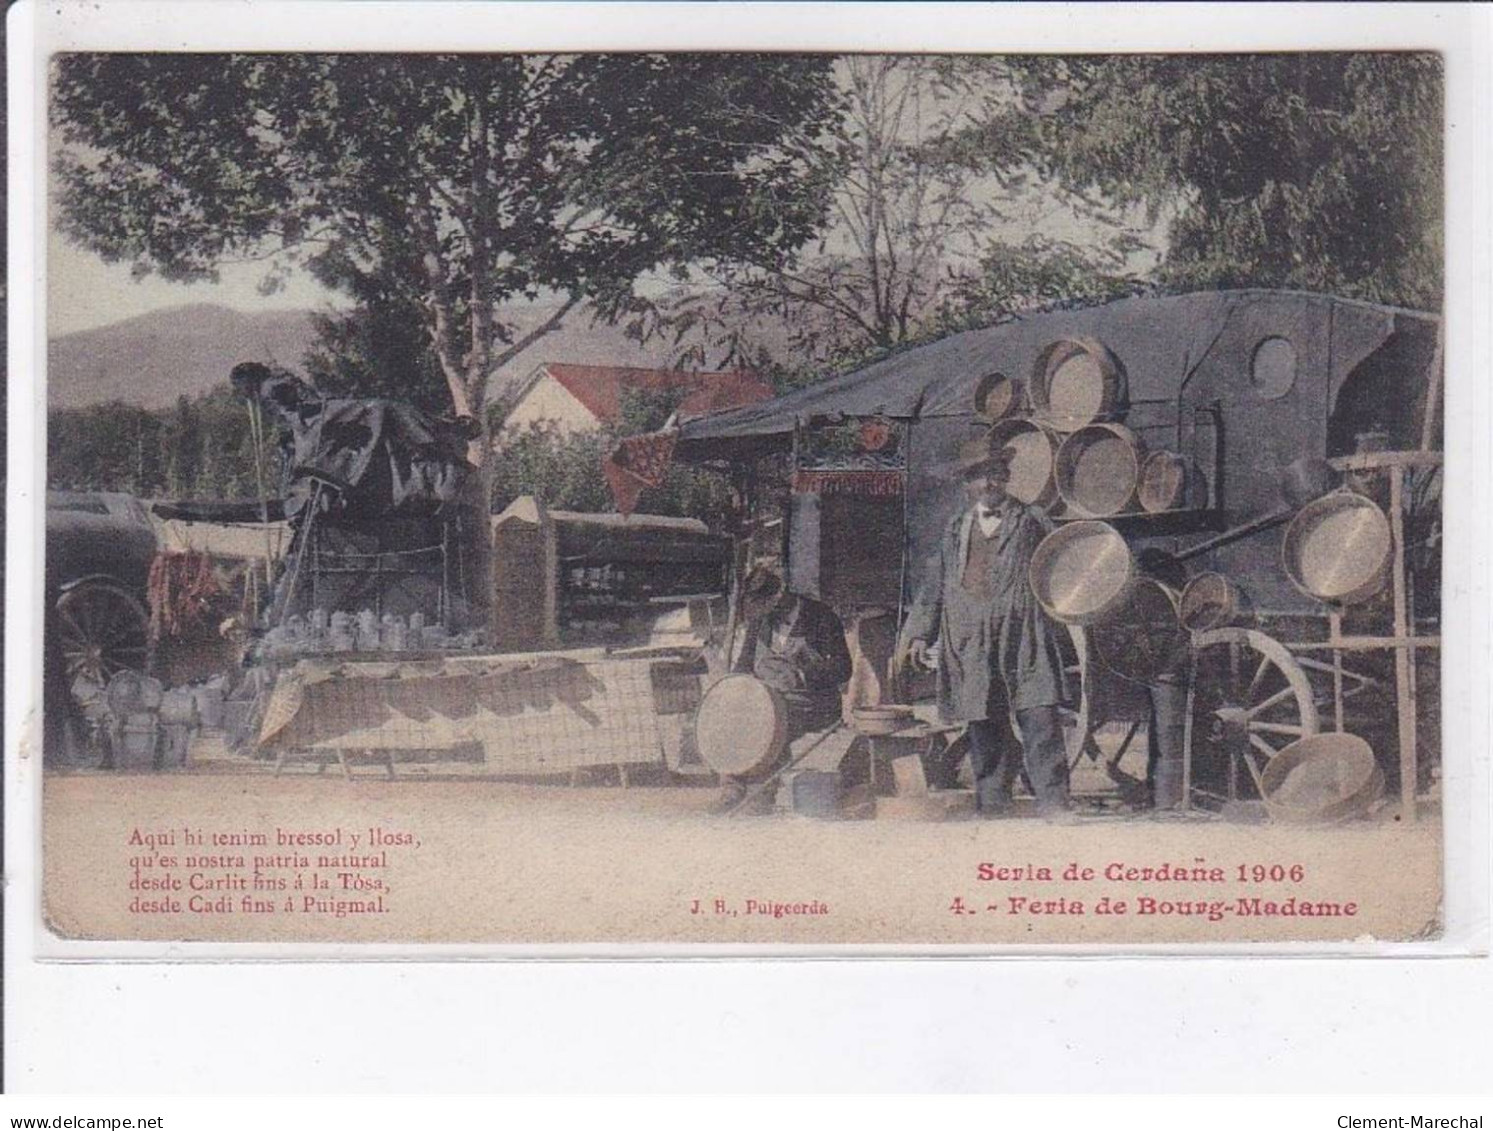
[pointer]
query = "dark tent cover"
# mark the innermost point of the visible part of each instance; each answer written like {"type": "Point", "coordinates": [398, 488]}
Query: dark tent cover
{"type": "Point", "coordinates": [383, 457]}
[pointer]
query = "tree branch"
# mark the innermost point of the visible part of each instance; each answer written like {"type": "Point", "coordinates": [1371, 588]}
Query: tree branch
{"type": "Point", "coordinates": [548, 326]}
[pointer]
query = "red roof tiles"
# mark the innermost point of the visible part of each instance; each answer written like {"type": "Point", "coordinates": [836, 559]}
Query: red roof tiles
{"type": "Point", "coordinates": [600, 387]}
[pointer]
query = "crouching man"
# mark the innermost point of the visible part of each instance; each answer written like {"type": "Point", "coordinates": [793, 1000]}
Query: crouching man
{"type": "Point", "coordinates": [998, 652]}
{"type": "Point", "coordinates": [796, 646]}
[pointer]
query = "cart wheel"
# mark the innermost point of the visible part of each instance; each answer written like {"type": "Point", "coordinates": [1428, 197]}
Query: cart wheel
{"type": "Point", "coordinates": [1250, 700]}
{"type": "Point", "coordinates": [103, 631]}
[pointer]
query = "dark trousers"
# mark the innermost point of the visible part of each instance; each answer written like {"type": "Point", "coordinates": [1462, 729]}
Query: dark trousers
{"type": "Point", "coordinates": [993, 758]}
{"type": "Point", "coordinates": [1165, 739]}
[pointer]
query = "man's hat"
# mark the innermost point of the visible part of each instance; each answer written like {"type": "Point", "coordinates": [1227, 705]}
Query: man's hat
{"type": "Point", "coordinates": [984, 451]}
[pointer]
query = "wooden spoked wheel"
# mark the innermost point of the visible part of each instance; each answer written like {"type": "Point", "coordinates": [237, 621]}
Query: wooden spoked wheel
{"type": "Point", "coordinates": [1250, 700]}
{"type": "Point", "coordinates": [102, 631]}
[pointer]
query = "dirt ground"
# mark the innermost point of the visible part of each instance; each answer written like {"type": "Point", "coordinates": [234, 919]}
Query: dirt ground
{"type": "Point", "coordinates": [230, 852]}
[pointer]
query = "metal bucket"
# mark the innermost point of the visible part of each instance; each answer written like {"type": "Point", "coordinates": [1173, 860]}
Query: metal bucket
{"type": "Point", "coordinates": [1098, 470]}
{"type": "Point", "coordinates": [1142, 638]}
{"type": "Point", "coordinates": [1031, 451]}
{"type": "Point", "coordinates": [1339, 548]}
{"type": "Point", "coordinates": [741, 726]}
{"type": "Point", "coordinates": [815, 793]}
{"type": "Point", "coordinates": [1082, 572]}
{"type": "Point", "coordinates": [137, 745]}
{"type": "Point", "coordinates": [1324, 777]}
{"type": "Point", "coordinates": [209, 706]}
{"type": "Point", "coordinates": [1075, 382]}
{"type": "Point", "coordinates": [998, 397]}
{"type": "Point", "coordinates": [1169, 482]}
{"type": "Point", "coordinates": [1211, 600]}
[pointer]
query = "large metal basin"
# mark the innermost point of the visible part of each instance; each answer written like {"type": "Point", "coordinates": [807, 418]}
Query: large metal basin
{"type": "Point", "coordinates": [1338, 548]}
{"type": "Point", "coordinates": [1098, 470]}
{"type": "Point", "coordinates": [1082, 572]}
{"type": "Point", "coordinates": [1030, 450]}
{"type": "Point", "coordinates": [1325, 777]}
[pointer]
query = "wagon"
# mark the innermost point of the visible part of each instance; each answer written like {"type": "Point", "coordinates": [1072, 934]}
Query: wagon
{"type": "Point", "coordinates": [99, 548]}
{"type": "Point", "coordinates": [1198, 428]}
{"type": "Point", "coordinates": [98, 554]}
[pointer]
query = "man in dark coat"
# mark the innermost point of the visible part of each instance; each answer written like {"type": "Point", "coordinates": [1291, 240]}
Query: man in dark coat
{"type": "Point", "coordinates": [796, 646]}
{"type": "Point", "coordinates": [998, 653]}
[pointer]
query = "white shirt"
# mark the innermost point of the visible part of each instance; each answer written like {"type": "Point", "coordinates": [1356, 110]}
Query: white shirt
{"type": "Point", "coordinates": [990, 521]}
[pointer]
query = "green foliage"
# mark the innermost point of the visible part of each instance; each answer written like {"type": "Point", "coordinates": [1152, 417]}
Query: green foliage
{"type": "Point", "coordinates": [648, 410]}
{"type": "Point", "coordinates": [378, 349]}
{"type": "Point", "coordinates": [1034, 274]}
{"type": "Point", "coordinates": [199, 449]}
{"type": "Point", "coordinates": [563, 471]}
{"type": "Point", "coordinates": [1319, 171]}
{"type": "Point", "coordinates": [462, 182]}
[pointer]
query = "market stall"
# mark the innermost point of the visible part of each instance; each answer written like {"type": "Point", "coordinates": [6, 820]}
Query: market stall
{"type": "Point", "coordinates": [1196, 427]}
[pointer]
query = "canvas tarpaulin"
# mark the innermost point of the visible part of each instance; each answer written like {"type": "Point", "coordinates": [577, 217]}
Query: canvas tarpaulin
{"type": "Point", "coordinates": [382, 456]}
{"type": "Point", "coordinates": [1158, 339]}
{"type": "Point", "coordinates": [529, 713]}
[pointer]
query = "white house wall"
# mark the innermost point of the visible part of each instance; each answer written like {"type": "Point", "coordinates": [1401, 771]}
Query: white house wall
{"type": "Point", "coordinates": [550, 402]}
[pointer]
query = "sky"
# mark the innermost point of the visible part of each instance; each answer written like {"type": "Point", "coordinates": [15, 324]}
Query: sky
{"type": "Point", "coordinates": [83, 291]}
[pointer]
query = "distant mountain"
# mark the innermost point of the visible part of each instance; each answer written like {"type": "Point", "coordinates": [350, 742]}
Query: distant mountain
{"type": "Point", "coordinates": [155, 358]}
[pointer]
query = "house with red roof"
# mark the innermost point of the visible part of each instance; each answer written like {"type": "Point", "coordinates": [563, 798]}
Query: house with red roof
{"type": "Point", "coordinates": [586, 398]}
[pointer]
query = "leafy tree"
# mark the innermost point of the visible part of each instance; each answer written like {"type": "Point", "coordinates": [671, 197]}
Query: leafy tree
{"type": "Point", "coordinates": [920, 207]}
{"type": "Point", "coordinates": [226, 469]}
{"type": "Point", "coordinates": [1320, 171]}
{"type": "Point", "coordinates": [900, 220]}
{"type": "Point", "coordinates": [200, 448]}
{"type": "Point", "coordinates": [465, 182]}
{"type": "Point", "coordinates": [109, 447]}
{"type": "Point", "coordinates": [184, 448]}
{"type": "Point", "coordinates": [1035, 273]}
{"type": "Point", "coordinates": [562, 470]}
{"type": "Point", "coordinates": [377, 349]}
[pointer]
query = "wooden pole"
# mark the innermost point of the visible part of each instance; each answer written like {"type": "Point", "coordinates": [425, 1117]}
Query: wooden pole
{"type": "Point", "coordinates": [1335, 632]}
{"type": "Point", "coordinates": [1433, 393]}
{"type": "Point", "coordinates": [741, 548]}
{"type": "Point", "coordinates": [1404, 657]}
{"type": "Point", "coordinates": [1192, 678]}
{"type": "Point", "coordinates": [256, 435]}
{"type": "Point", "coordinates": [1363, 643]}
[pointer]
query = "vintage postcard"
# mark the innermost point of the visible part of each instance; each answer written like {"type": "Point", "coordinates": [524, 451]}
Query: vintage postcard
{"type": "Point", "coordinates": [792, 500]}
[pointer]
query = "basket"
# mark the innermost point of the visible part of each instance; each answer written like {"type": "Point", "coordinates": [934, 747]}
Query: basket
{"type": "Point", "coordinates": [880, 720]}
{"type": "Point", "coordinates": [741, 726]}
{"type": "Point", "coordinates": [1169, 482]}
{"type": "Point", "coordinates": [998, 397]}
{"type": "Point", "coordinates": [1211, 600]}
{"type": "Point", "coordinates": [1142, 638]}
